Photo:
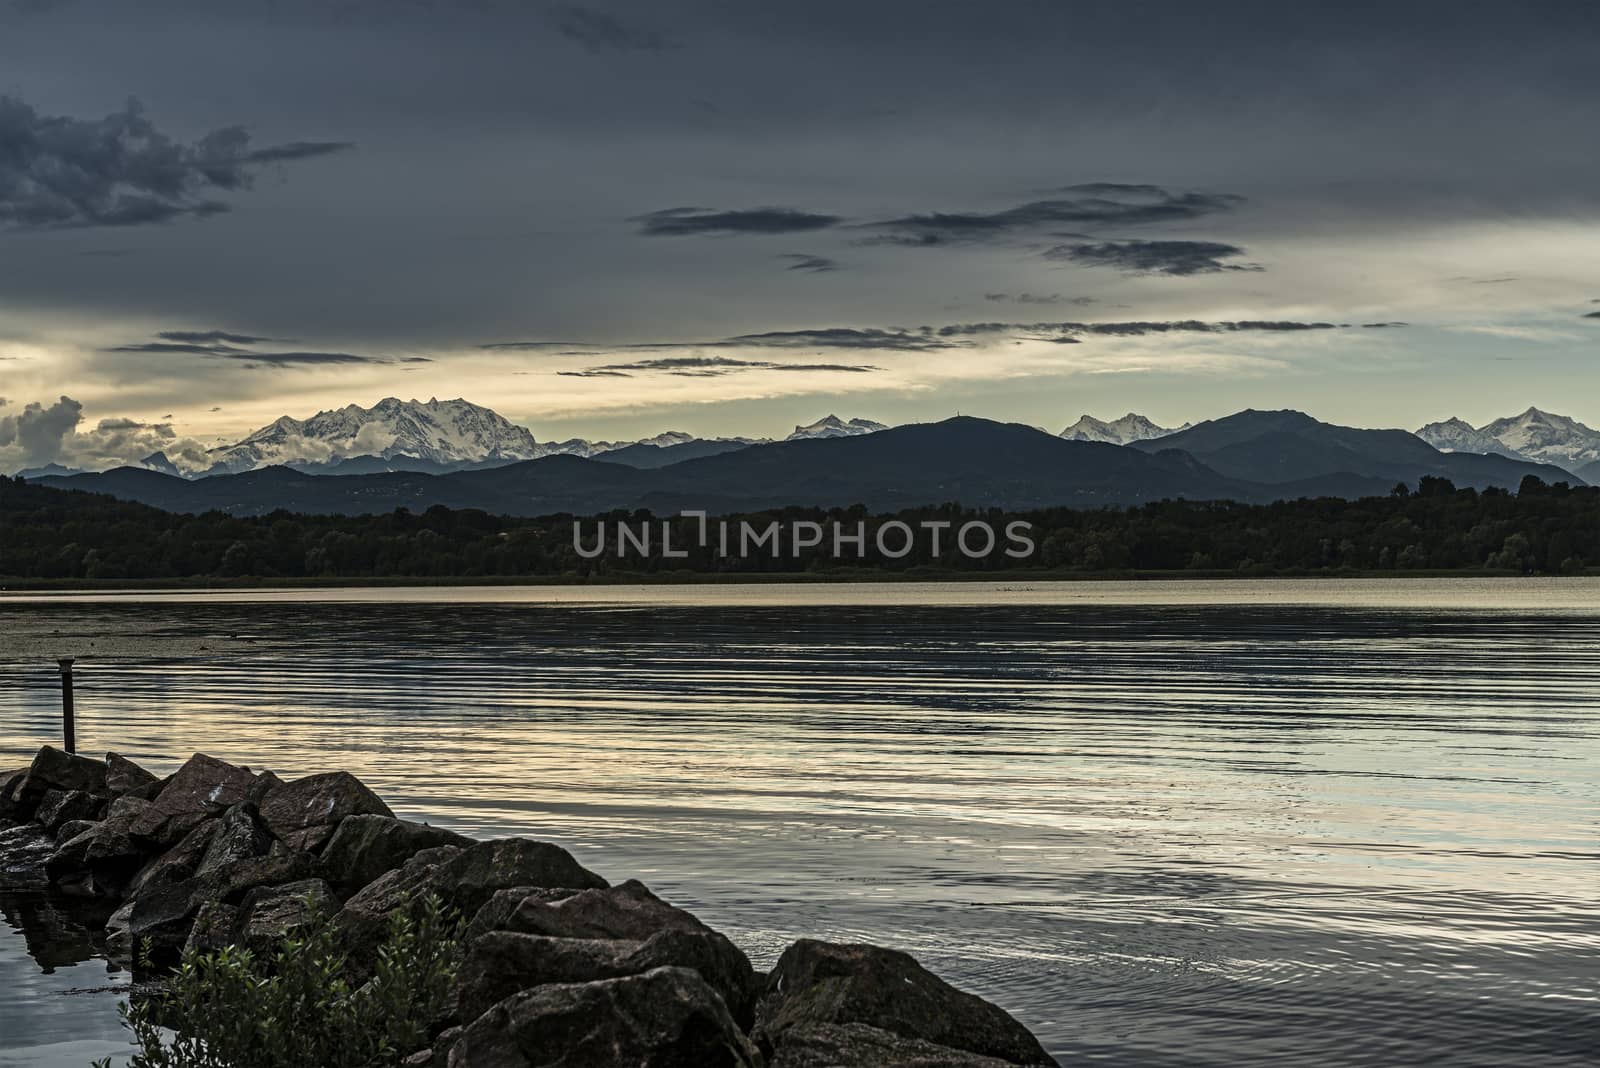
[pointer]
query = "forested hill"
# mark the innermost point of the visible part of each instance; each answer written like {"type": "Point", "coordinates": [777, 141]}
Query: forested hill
{"type": "Point", "coordinates": [54, 535]}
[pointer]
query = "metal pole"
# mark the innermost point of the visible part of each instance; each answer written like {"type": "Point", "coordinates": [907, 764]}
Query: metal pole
{"type": "Point", "coordinates": [68, 728]}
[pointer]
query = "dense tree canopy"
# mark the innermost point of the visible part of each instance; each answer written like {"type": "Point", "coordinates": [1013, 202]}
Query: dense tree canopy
{"type": "Point", "coordinates": [53, 535]}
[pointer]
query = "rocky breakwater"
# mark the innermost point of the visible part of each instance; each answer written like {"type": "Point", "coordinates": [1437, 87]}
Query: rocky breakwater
{"type": "Point", "coordinates": [559, 967]}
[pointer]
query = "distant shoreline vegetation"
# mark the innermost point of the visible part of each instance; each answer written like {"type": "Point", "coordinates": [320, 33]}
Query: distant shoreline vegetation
{"type": "Point", "coordinates": [52, 538]}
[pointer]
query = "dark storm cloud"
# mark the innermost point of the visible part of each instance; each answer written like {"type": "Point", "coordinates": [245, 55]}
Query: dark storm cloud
{"type": "Point", "coordinates": [1093, 204]}
{"type": "Point", "coordinates": [1592, 315]}
{"type": "Point", "coordinates": [686, 222]}
{"type": "Point", "coordinates": [58, 172]}
{"type": "Point", "coordinates": [1036, 298]}
{"type": "Point", "coordinates": [710, 366]}
{"type": "Point", "coordinates": [600, 32]}
{"type": "Point", "coordinates": [840, 338]}
{"type": "Point", "coordinates": [1176, 258]}
{"type": "Point", "coordinates": [297, 150]}
{"type": "Point", "coordinates": [901, 339]}
{"type": "Point", "coordinates": [211, 336]}
{"type": "Point", "coordinates": [1382, 326]}
{"type": "Point", "coordinates": [222, 345]}
{"type": "Point", "coordinates": [799, 261]}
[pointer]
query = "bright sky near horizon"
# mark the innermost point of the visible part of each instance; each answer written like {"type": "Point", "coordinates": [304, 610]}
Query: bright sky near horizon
{"type": "Point", "coordinates": [611, 219]}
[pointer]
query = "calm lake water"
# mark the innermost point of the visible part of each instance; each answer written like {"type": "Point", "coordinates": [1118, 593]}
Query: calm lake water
{"type": "Point", "coordinates": [1252, 823]}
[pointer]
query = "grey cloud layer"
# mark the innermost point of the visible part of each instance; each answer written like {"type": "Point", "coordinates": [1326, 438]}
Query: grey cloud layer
{"type": "Point", "coordinates": [1178, 258]}
{"type": "Point", "coordinates": [121, 170]}
{"type": "Point", "coordinates": [1090, 204]}
{"type": "Point", "coordinates": [222, 345]}
{"type": "Point", "coordinates": [922, 339]}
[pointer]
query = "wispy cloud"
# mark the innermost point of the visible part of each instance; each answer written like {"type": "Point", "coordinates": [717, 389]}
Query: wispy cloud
{"type": "Point", "coordinates": [686, 222]}
{"type": "Point", "coordinates": [1175, 258]}
{"type": "Point", "coordinates": [225, 345]}
{"type": "Point", "coordinates": [800, 261]}
{"type": "Point", "coordinates": [597, 31]}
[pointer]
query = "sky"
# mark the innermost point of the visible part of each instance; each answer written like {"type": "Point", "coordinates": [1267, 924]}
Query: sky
{"type": "Point", "coordinates": [612, 219]}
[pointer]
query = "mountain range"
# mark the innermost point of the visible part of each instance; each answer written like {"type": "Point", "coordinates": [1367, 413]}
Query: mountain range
{"type": "Point", "coordinates": [1125, 431]}
{"type": "Point", "coordinates": [437, 437]}
{"type": "Point", "coordinates": [1251, 456]}
{"type": "Point", "coordinates": [1533, 435]}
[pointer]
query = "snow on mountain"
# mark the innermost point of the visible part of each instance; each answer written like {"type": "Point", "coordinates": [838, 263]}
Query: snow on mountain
{"type": "Point", "coordinates": [1551, 439]}
{"type": "Point", "coordinates": [1458, 435]}
{"type": "Point", "coordinates": [1130, 428]}
{"type": "Point", "coordinates": [1533, 435]}
{"type": "Point", "coordinates": [158, 461]}
{"type": "Point", "coordinates": [831, 426]}
{"type": "Point", "coordinates": [446, 432]}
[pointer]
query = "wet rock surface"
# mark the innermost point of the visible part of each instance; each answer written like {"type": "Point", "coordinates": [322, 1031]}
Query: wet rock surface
{"type": "Point", "coordinates": [559, 967]}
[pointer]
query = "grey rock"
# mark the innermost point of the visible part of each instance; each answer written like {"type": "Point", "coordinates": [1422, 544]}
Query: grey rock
{"type": "Point", "coordinates": [239, 836]}
{"type": "Point", "coordinates": [68, 867]}
{"type": "Point", "coordinates": [860, 1046]}
{"type": "Point", "coordinates": [165, 915]}
{"type": "Point", "coordinates": [124, 776]}
{"type": "Point", "coordinates": [216, 926]}
{"type": "Point", "coordinates": [59, 807]}
{"type": "Point", "coordinates": [668, 934]}
{"type": "Point", "coordinates": [202, 788]}
{"type": "Point", "coordinates": [53, 769]}
{"type": "Point", "coordinates": [664, 1018]}
{"type": "Point", "coordinates": [12, 812]}
{"type": "Point", "coordinates": [68, 831]}
{"type": "Point", "coordinates": [816, 983]}
{"type": "Point", "coordinates": [495, 914]}
{"type": "Point", "coordinates": [464, 879]}
{"type": "Point", "coordinates": [366, 845]}
{"type": "Point", "coordinates": [501, 963]}
{"type": "Point", "coordinates": [177, 864]}
{"type": "Point", "coordinates": [270, 914]}
{"type": "Point", "coordinates": [304, 813]}
{"type": "Point", "coordinates": [265, 783]}
{"type": "Point", "coordinates": [24, 851]}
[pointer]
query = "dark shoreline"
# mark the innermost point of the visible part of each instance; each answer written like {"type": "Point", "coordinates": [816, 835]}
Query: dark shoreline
{"type": "Point", "coordinates": [692, 578]}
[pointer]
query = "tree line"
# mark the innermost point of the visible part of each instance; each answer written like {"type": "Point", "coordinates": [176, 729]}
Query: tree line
{"type": "Point", "coordinates": [49, 535]}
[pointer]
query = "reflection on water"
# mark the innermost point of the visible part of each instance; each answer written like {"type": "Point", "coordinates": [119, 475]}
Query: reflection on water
{"type": "Point", "coordinates": [1158, 834]}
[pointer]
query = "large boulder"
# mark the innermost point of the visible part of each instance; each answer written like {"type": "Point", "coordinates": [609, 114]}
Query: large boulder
{"type": "Point", "coordinates": [216, 926]}
{"type": "Point", "coordinates": [666, 934]}
{"type": "Point", "coordinates": [860, 1046]}
{"type": "Point", "coordinates": [53, 769]}
{"type": "Point", "coordinates": [272, 913]}
{"type": "Point", "coordinates": [367, 844]}
{"type": "Point", "coordinates": [202, 788]}
{"type": "Point", "coordinates": [627, 910]}
{"type": "Point", "coordinates": [663, 1018]}
{"type": "Point", "coordinates": [501, 963]}
{"type": "Point", "coordinates": [239, 836]}
{"type": "Point", "coordinates": [24, 850]}
{"type": "Point", "coordinates": [58, 807]}
{"type": "Point", "coordinates": [114, 855]}
{"type": "Point", "coordinates": [12, 811]}
{"type": "Point", "coordinates": [464, 879]}
{"type": "Point", "coordinates": [124, 776]}
{"type": "Point", "coordinates": [166, 914]}
{"type": "Point", "coordinates": [827, 983]}
{"type": "Point", "coordinates": [303, 814]}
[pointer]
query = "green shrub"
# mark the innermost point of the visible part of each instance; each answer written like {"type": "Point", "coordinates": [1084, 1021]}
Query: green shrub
{"type": "Point", "coordinates": [294, 1008]}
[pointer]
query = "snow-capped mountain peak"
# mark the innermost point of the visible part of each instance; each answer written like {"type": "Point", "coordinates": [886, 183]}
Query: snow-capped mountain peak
{"type": "Point", "coordinates": [445, 432]}
{"type": "Point", "coordinates": [1130, 428]}
{"type": "Point", "coordinates": [831, 426]}
{"type": "Point", "coordinates": [1458, 435]}
{"type": "Point", "coordinates": [1533, 435]}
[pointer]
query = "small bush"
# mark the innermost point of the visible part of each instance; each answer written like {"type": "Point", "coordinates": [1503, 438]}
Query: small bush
{"type": "Point", "coordinates": [294, 1008]}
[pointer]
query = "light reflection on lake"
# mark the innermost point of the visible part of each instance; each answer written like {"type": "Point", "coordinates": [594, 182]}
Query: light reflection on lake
{"type": "Point", "coordinates": [1354, 829]}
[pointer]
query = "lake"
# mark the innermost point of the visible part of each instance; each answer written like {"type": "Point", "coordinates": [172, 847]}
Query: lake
{"type": "Point", "coordinates": [1162, 823]}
